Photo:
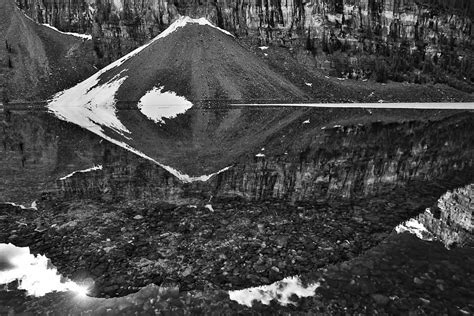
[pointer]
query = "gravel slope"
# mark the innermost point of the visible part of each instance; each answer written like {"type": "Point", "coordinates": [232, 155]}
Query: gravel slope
{"type": "Point", "coordinates": [36, 61]}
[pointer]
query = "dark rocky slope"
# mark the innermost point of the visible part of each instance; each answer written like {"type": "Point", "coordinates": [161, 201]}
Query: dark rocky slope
{"type": "Point", "coordinates": [37, 61]}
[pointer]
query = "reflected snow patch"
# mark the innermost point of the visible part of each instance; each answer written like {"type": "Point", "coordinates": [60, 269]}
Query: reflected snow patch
{"type": "Point", "coordinates": [281, 291]}
{"type": "Point", "coordinates": [99, 167]}
{"type": "Point", "coordinates": [184, 20]}
{"type": "Point", "coordinates": [35, 274]}
{"type": "Point", "coordinates": [157, 105]}
{"type": "Point", "coordinates": [413, 226]}
{"type": "Point", "coordinates": [90, 105]}
{"type": "Point", "coordinates": [32, 207]}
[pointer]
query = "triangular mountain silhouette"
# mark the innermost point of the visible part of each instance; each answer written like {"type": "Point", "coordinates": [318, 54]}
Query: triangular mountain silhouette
{"type": "Point", "coordinates": [168, 100]}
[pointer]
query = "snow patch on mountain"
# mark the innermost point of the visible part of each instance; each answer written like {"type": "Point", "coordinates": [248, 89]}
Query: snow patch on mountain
{"type": "Point", "coordinates": [156, 104]}
{"type": "Point", "coordinates": [182, 21]}
{"type": "Point", "coordinates": [80, 35]}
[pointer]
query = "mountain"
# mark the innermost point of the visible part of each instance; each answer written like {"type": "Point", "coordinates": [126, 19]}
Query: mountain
{"type": "Point", "coordinates": [188, 74]}
{"type": "Point", "coordinates": [37, 60]}
{"type": "Point", "coordinates": [418, 41]}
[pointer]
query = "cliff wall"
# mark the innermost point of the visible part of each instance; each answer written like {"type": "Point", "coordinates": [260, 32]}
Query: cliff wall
{"type": "Point", "coordinates": [342, 162]}
{"type": "Point", "coordinates": [357, 161]}
{"type": "Point", "coordinates": [345, 162]}
{"type": "Point", "coordinates": [451, 219]}
{"type": "Point", "coordinates": [417, 40]}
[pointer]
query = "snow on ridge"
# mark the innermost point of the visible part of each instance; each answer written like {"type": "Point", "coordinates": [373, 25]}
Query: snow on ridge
{"type": "Point", "coordinates": [281, 291]}
{"type": "Point", "coordinates": [98, 167]}
{"type": "Point", "coordinates": [80, 35]}
{"type": "Point", "coordinates": [182, 21]}
{"type": "Point", "coordinates": [156, 104]}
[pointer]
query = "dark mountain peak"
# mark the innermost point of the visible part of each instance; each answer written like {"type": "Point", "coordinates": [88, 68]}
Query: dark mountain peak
{"type": "Point", "coordinates": [190, 62]}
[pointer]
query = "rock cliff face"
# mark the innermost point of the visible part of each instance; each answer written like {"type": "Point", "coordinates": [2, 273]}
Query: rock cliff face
{"type": "Point", "coordinates": [356, 161]}
{"type": "Point", "coordinates": [347, 162]}
{"type": "Point", "coordinates": [451, 219]}
{"type": "Point", "coordinates": [344, 162]}
{"type": "Point", "coordinates": [419, 36]}
{"type": "Point", "coordinates": [36, 150]}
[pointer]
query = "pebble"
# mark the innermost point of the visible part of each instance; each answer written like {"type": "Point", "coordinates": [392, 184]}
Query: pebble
{"type": "Point", "coordinates": [418, 281]}
{"type": "Point", "coordinates": [380, 299]}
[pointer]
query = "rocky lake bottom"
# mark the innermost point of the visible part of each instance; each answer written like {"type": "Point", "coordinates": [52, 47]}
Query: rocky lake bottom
{"type": "Point", "coordinates": [186, 258]}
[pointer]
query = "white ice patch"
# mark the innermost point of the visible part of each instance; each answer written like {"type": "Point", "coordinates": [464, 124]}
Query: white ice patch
{"type": "Point", "coordinates": [263, 47]}
{"type": "Point", "coordinates": [99, 167]}
{"type": "Point", "coordinates": [35, 273]}
{"type": "Point", "coordinates": [384, 105]}
{"type": "Point", "coordinates": [306, 122]}
{"type": "Point", "coordinates": [32, 207]}
{"type": "Point", "coordinates": [308, 84]}
{"type": "Point", "coordinates": [281, 291]}
{"type": "Point", "coordinates": [90, 105]}
{"type": "Point", "coordinates": [209, 207]}
{"type": "Point", "coordinates": [156, 104]}
{"type": "Point", "coordinates": [80, 35]}
{"type": "Point", "coordinates": [413, 226]}
{"type": "Point", "coordinates": [260, 155]}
